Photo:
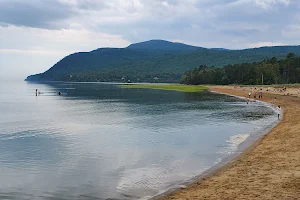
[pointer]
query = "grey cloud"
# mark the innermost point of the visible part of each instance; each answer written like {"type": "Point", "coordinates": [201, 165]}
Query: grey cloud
{"type": "Point", "coordinates": [213, 3]}
{"type": "Point", "coordinates": [235, 23]}
{"type": "Point", "coordinates": [92, 5]}
{"type": "Point", "coordinates": [241, 32]}
{"type": "Point", "coordinates": [46, 14]}
{"type": "Point", "coordinates": [211, 23]}
{"type": "Point", "coordinates": [35, 13]}
{"type": "Point", "coordinates": [246, 16]}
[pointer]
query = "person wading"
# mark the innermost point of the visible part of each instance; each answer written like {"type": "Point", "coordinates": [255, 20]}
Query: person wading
{"type": "Point", "coordinates": [278, 111]}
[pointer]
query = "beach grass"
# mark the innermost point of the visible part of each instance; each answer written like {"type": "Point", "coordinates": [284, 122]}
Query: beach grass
{"type": "Point", "coordinates": [175, 87]}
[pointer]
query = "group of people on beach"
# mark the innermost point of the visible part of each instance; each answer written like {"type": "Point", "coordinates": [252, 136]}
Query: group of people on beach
{"type": "Point", "coordinates": [256, 93]}
{"type": "Point", "coordinates": [286, 91]}
{"type": "Point", "coordinates": [260, 95]}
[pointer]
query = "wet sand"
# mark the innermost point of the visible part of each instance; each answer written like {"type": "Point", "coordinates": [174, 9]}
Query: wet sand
{"type": "Point", "coordinates": [268, 169]}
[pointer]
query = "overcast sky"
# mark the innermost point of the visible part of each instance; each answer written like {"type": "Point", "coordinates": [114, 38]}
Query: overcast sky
{"type": "Point", "coordinates": [35, 34]}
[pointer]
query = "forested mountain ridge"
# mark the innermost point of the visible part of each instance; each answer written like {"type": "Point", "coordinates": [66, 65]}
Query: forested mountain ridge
{"type": "Point", "coordinates": [154, 60]}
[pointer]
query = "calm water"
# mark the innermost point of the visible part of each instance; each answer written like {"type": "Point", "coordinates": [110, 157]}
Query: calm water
{"type": "Point", "coordinates": [98, 141]}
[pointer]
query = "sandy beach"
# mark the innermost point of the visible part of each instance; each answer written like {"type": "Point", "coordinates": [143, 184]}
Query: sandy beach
{"type": "Point", "coordinates": [268, 169]}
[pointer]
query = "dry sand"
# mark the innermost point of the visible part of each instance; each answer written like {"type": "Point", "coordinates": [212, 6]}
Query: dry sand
{"type": "Point", "coordinates": [269, 169]}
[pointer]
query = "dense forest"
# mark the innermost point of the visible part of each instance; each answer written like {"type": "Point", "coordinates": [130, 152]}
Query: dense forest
{"type": "Point", "coordinates": [150, 61]}
{"type": "Point", "coordinates": [268, 71]}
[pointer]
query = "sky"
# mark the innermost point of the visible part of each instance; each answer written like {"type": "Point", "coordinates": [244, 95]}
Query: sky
{"type": "Point", "coordinates": [35, 34]}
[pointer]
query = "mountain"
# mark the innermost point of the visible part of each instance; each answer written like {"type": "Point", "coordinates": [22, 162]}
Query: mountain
{"type": "Point", "coordinates": [162, 45]}
{"type": "Point", "coordinates": [154, 60]}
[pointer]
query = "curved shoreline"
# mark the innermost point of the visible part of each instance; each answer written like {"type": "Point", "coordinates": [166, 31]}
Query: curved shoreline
{"type": "Point", "coordinates": [250, 142]}
{"type": "Point", "coordinates": [268, 169]}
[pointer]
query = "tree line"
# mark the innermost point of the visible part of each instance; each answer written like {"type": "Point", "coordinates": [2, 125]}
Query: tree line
{"type": "Point", "coordinates": [268, 71]}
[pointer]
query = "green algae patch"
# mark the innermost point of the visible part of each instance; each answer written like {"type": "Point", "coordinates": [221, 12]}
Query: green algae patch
{"type": "Point", "coordinates": [175, 87]}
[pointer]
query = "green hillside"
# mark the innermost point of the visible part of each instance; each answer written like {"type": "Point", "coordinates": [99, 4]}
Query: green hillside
{"type": "Point", "coordinates": [151, 61]}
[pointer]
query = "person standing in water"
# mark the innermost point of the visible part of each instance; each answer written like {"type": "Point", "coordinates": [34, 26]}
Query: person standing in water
{"type": "Point", "coordinates": [36, 92]}
{"type": "Point", "coordinates": [278, 110]}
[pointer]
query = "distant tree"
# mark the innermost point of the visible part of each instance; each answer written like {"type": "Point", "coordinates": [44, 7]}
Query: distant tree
{"type": "Point", "coordinates": [290, 55]}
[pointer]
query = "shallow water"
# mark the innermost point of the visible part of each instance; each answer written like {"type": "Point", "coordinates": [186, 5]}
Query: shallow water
{"type": "Point", "coordinates": [98, 141]}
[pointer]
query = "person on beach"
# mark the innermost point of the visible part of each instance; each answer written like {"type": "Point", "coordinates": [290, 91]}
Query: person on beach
{"type": "Point", "coordinates": [278, 110]}
{"type": "Point", "coordinates": [36, 92]}
{"type": "Point", "coordinates": [249, 94]}
{"type": "Point", "coordinates": [260, 93]}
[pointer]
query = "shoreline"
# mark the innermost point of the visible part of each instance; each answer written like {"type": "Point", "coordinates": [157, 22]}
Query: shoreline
{"type": "Point", "coordinates": [250, 142]}
{"type": "Point", "coordinates": [240, 176]}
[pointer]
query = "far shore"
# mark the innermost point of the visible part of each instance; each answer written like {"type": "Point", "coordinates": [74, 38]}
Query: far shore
{"type": "Point", "coordinates": [268, 169]}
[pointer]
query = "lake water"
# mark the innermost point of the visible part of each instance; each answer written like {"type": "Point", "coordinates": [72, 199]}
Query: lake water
{"type": "Point", "coordinates": [99, 141]}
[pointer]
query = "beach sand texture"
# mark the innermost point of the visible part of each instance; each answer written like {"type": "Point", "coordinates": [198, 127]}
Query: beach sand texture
{"type": "Point", "coordinates": [268, 169]}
